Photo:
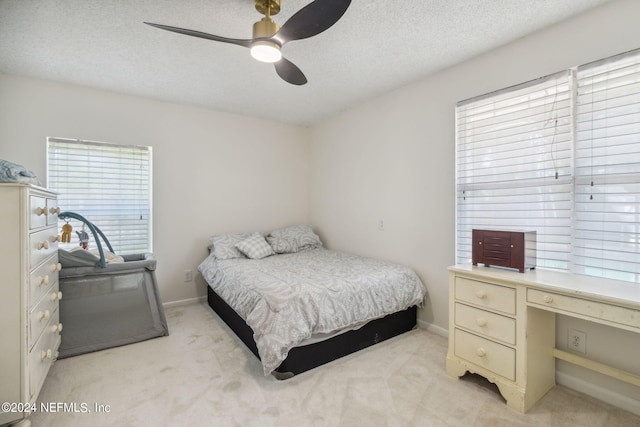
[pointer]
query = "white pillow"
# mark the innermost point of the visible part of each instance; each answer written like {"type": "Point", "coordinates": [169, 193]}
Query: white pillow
{"type": "Point", "coordinates": [293, 239]}
{"type": "Point", "coordinates": [224, 245]}
{"type": "Point", "coordinates": [255, 247]}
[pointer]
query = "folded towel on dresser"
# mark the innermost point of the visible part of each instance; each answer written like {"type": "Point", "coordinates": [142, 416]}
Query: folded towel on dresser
{"type": "Point", "coordinates": [13, 172]}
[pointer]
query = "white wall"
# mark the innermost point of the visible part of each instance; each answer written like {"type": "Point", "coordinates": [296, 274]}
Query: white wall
{"type": "Point", "coordinates": [212, 172]}
{"type": "Point", "coordinates": [392, 159]}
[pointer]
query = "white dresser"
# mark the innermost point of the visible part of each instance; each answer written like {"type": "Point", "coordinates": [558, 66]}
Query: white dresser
{"type": "Point", "coordinates": [29, 295]}
{"type": "Point", "coordinates": [502, 325]}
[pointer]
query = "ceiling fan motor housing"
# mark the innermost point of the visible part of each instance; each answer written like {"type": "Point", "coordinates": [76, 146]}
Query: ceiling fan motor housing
{"type": "Point", "coordinates": [265, 28]}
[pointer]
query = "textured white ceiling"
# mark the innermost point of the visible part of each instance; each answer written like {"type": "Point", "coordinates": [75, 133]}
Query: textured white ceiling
{"type": "Point", "coordinates": [376, 46]}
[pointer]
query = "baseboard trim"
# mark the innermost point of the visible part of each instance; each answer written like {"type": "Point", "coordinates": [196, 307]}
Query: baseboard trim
{"type": "Point", "coordinates": [600, 393]}
{"type": "Point", "coordinates": [443, 332]}
{"type": "Point", "coordinates": [187, 301]}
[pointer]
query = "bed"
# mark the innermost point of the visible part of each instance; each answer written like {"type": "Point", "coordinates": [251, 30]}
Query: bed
{"type": "Point", "coordinates": [297, 305]}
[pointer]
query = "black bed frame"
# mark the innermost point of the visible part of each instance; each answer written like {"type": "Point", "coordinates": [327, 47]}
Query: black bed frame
{"type": "Point", "coordinates": [301, 359]}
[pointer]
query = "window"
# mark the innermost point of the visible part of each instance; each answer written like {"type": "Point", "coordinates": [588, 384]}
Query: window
{"type": "Point", "coordinates": [607, 205]}
{"type": "Point", "coordinates": [514, 165]}
{"type": "Point", "coordinates": [108, 184]}
{"type": "Point", "coordinates": [526, 157]}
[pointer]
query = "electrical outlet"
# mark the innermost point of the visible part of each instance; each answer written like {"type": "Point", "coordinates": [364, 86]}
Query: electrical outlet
{"type": "Point", "coordinates": [188, 275]}
{"type": "Point", "coordinates": [577, 341]}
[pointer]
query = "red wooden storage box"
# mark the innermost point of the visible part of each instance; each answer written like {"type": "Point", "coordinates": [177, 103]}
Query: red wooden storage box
{"type": "Point", "coordinates": [504, 248]}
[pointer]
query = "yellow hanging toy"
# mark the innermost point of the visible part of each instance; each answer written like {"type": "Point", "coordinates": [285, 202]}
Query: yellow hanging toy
{"type": "Point", "coordinates": [66, 233]}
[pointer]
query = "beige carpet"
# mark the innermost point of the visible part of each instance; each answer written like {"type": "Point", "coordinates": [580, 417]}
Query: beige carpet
{"type": "Point", "coordinates": [202, 375]}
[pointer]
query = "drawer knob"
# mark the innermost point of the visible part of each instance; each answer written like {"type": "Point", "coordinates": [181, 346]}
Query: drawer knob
{"type": "Point", "coordinates": [56, 267]}
{"type": "Point", "coordinates": [548, 299]}
{"type": "Point", "coordinates": [46, 354]}
{"type": "Point", "coordinates": [481, 321]}
{"type": "Point", "coordinates": [55, 238]}
{"type": "Point", "coordinates": [54, 211]}
{"type": "Point", "coordinates": [41, 211]}
{"type": "Point", "coordinates": [56, 296]}
{"type": "Point", "coordinates": [481, 352]}
{"type": "Point", "coordinates": [43, 245]}
{"type": "Point", "coordinates": [56, 328]}
{"type": "Point", "coordinates": [43, 280]}
{"type": "Point", "coordinates": [482, 294]}
{"type": "Point", "coordinates": [44, 315]}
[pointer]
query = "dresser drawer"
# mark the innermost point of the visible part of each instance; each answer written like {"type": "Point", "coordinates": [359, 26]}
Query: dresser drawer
{"type": "Point", "coordinates": [487, 354]}
{"type": "Point", "coordinates": [43, 354]}
{"type": "Point", "coordinates": [37, 212]}
{"type": "Point", "coordinates": [484, 322]}
{"type": "Point", "coordinates": [495, 297]}
{"type": "Point", "coordinates": [42, 245]}
{"type": "Point", "coordinates": [43, 312]}
{"type": "Point", "coordinates": [52, 212]}
{"type": "Point", "coordinates": [587, 309]}
{"type": "Point", "coordinates": [42, 277]}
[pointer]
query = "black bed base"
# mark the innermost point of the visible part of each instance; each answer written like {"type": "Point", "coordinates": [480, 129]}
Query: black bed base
{"type": "Point", "coordinates": [301, 359]}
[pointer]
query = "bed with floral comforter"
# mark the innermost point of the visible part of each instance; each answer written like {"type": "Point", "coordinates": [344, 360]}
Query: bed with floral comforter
{"type": "Point", "coordinates": [289, 298]}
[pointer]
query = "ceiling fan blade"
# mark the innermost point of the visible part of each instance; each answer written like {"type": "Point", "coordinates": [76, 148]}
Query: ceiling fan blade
{"type": "Point", "coordinates": [289, 72]}
{"type": "Point", "coordinates": [239, 42]}
{"type": "Point", "coordinates": [312, 20]}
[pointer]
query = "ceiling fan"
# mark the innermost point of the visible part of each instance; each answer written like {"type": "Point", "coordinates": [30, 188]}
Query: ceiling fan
{"type": "Point", "coordinates": [268, 37]}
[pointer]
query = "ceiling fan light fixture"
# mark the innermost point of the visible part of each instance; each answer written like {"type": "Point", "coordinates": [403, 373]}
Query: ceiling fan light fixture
{"type": "Point", "coordinates": [266, 51]}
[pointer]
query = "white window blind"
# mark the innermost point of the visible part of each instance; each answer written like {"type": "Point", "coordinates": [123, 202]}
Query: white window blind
{"type": "Point", "coordinates": [514, 164]}
{"type": "Point", "coordinates": [108, 184]}
{"type": "Point", "coordinates": [607, 188]}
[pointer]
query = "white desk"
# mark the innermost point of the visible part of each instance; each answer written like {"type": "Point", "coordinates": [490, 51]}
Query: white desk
{"type": "Point", "coordinates": [502, 325]}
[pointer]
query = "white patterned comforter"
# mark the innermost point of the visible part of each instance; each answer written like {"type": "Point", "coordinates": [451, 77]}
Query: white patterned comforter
{"type": "Point", "coordinates": [286, 298]}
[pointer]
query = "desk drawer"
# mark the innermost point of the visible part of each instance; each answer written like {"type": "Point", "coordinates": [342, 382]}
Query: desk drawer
{"type": "Point", "coordinates": [586, 308]}
{"type": "Point", "coordinates": [495, 297]}
{"type": "Point", "coordinates": [484, 322]}
{"type": "Point", "coordinates": [490, 355]}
